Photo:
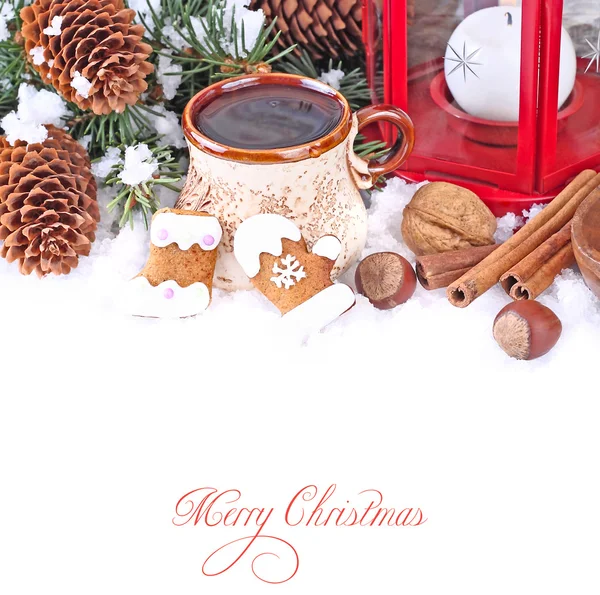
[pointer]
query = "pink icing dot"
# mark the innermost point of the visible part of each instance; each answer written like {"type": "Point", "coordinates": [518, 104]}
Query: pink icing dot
{"type": "Point", "coordinates": [208, 240]}
{"type": "Point", "coordinates": [163, 234]}
{"type": "Point", "coordinates": [169, 293]}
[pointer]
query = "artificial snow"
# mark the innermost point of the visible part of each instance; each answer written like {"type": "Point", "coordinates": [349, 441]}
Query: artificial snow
{"type": "Point", "coordinates": [84, 141]}
{"type": "Point", "coordinates": [511, 222]}
{"type": "Point", "coordinates": [173, 36]}
{"type": "Point", "coordinates": [102, 167]}
{"type": "Point", "coordinates": [37, 53]}
{"type": "Point", "coordinates": [533, 211]}
{"type": "Point", "coordinates": [253, 21]}
{"type": "Point", "coordinates": [167, 75]}
{"type": "Point", "coordinates": [332, 77]}
{"type": "Point", "coordinates": [35, 109]}
{"type": "Point", "coordinates": [142, 7]}
{"type": "Point", "coordinates": [198, 27]}
{"type": "Point", "coordinates": [421, 346]}
{"type": "Point", "coordinates": [139, 166]}
{"type": "Point", "coordinates": [507, 226]}
{"type": "Point", "coordinates": [168, 127]}
{"type": "Point", "coordinates": [54, 28]}
{"type": "Point", "coordinates": [81, 84]}
{"type": "Point", "coordinates": [7, 14]}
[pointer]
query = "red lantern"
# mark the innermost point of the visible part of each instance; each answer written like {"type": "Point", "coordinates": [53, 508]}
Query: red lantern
{"type": "Point", "coordinates": [470, 139]}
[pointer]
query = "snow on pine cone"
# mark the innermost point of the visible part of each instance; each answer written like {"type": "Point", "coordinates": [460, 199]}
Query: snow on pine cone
{"type": "Point", "coordinates": [92, 53]}
{"type": "Point", "coordinates": [48, 208]}
{"type": "Point", "coordinates": [324, 28]}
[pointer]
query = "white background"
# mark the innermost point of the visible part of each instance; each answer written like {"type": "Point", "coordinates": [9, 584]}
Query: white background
{"type": "Point", "coordinates": [106, 421]}
{"type": "Point", "coordinates": [95, 456]}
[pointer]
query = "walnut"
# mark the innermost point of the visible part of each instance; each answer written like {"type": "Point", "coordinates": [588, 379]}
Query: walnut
{"type": "Point", "coordinates": [442, 217]}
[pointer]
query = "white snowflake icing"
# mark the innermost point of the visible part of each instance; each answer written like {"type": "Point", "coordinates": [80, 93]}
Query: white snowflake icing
{"type": "Point", "coordinates": [291, 270]}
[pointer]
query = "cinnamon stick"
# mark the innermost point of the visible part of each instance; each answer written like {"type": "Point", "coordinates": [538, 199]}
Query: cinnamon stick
{"type": "Point", "coordinates": [439, 270]}
{"type": "Point", "coordinates": [536, 231]}
{"type": "Point", "coordinates": [544, 277]}
{"type": "Point", "coordinates": [532, 263]}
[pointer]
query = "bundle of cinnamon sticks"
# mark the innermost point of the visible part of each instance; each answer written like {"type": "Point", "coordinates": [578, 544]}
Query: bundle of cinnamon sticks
{"type": "Point", "coordinates": [525, 265]}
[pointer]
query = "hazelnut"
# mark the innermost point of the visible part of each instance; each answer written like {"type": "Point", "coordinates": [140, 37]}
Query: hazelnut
{"type": "Point", "coordinates": [386, 278]}
{"type": "Point", "coordinates": [526, 329]}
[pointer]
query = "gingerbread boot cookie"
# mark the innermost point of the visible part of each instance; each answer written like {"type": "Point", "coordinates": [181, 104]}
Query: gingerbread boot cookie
{"type": "Point", "coordinates": [272, 252]}
{"type": "Point", "coordinates": [177, 279]}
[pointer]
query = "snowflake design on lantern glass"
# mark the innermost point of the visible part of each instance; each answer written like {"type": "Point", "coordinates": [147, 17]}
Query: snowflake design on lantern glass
{"type": "Point", "coordinates": [594, 55]}
{"type": "Point", "coordinates": [289, 273]}
{"type": "Point", "coordinates": [465, 62]}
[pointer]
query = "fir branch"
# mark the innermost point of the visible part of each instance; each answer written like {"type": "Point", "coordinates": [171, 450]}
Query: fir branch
{"type": "Point", "coordinates": [142, 197]}
{"type": "Point", "coordinates": [353, 85]}
{"type": "Point", "coordinates": [371, 150]}
{"type": "Point", "coordinates": [208, 41]}
{"type": "Point", "coordinates": [130, 127]}
{"type": "Point", "coordinates": [14, 68]}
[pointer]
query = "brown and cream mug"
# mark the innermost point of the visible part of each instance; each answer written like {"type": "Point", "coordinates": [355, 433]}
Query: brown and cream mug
{"type": "Point", "coordinates": [281, 143]}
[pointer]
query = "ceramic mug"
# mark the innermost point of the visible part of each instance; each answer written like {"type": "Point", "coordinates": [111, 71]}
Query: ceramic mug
{"type": "Point", "coordinates": [315, 184]}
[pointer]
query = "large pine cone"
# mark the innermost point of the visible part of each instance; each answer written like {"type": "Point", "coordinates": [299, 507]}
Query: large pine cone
{"type": "Point", "coordinates": [97, 40]}
{"type": "Point", "coordinates": [48, 208]}
{"type": "Point", "coordinates": [324, 28]}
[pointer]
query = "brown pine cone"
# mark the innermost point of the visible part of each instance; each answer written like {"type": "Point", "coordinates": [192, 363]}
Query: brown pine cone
{"type": "Point", "coordinates": [48, 208]}
{"type": "Point", "coordinates": [97, 40]}
{"type": "Point", "coordinates": [324, 28]}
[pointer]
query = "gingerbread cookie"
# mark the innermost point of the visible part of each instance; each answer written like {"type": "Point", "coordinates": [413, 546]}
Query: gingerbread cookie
{"type": "Point", "coordinates": [272, 252]}
{"type": "Point", "coordinates": [177, 279]}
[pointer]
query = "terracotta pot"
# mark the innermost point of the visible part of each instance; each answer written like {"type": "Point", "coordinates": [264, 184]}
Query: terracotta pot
{"type": "Point", "coordinates": [585, 234]}
{"type": "Point", "coordinates": [316, 184]}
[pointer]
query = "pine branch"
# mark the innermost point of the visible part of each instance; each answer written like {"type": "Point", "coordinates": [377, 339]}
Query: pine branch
{"type": "Point", "coordinates": [353, 85]}
{"type": "Point", "coordinates": [14, 68]}
{"type": "Point", "coordinates": [142, 197]}
{"type": "Point", "coordinates": [209, 41]}
{"type": "Point", "coordinates": [130, 127]}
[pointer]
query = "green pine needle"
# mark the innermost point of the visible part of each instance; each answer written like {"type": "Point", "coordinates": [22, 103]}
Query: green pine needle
{"type": "Point", "coordinates": [142, 197]}
{"type": "Point", "coordinates": [353, 85]}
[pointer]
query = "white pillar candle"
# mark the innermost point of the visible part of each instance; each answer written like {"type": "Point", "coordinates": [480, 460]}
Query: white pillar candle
{"type": "Point", "coordinates": [483, 64]}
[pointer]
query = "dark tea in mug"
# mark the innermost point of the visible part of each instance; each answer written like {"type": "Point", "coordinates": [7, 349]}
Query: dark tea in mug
{"type": "Point", "coordinates": [269, 117]}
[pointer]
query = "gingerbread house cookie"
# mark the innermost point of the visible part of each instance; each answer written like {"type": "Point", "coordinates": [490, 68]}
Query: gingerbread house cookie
{"type": "Point", "coordinates": [177, 279]}
{"type": "Point", "coordinates": [272, 252]}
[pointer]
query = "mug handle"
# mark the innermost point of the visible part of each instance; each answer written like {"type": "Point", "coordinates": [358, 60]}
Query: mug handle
{"type": "Point", "coordinates": [405, 141]}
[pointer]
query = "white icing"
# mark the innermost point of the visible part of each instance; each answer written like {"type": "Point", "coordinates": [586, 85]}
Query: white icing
{"type": "Point", "coordinates": [288, 273]}
{"type": "Point", "coordinates": [317, 312]}
{"type": "Point", "coordinates": [142, 299]}
{"type": "Point", "coordinates": [328, 247]}
{"type": "Point", "coordinates": [185, 231]}
{"type": "Point", "coordinates": [262, 234]}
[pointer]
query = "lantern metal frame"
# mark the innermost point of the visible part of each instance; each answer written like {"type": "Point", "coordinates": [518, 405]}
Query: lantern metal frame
{"type": "Point", "coordinates": [540, 167]}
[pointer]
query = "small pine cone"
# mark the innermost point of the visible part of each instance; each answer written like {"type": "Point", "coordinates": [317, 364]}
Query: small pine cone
{"type": "Point", "coordinates": [97, 40]}
{"type": "Point", "coordinates": [48, 208]}
{"type": "Point", "coordinates": [233, 66]}
{"type": "Point", "coordinates": [324, 28]}
{"type": "Point", "coordinates": [261, 68]}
